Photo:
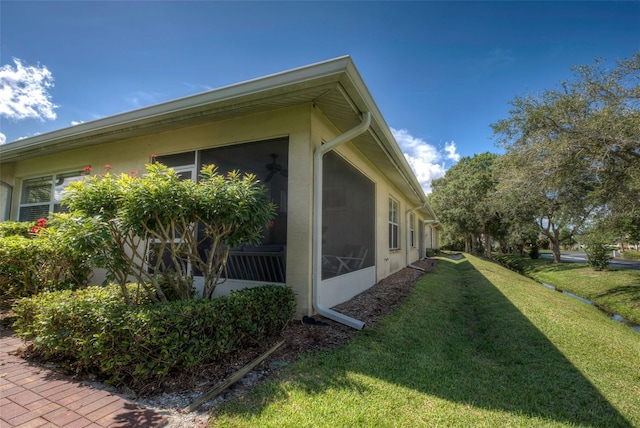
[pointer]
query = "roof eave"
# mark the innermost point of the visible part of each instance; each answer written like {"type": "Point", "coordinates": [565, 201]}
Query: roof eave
{"type": "Point", "coordinates": [177, 110]}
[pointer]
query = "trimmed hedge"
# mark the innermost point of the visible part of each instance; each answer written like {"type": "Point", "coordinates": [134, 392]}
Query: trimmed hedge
{"type": "Point", "coordinates": [13, 228]}
{"type": "Point", "coordinates": [97, 332]}
{"type": "Point", "coordinates": [30, 266]}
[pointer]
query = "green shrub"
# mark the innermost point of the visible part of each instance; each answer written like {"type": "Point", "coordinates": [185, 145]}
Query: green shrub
{"type": "Point", "coordinates": [598, 255]}
{"type": "Point", "coordinates": [211, 216]}
{"type": "Point", "coordinates": [64, 324]}
{"type": "Point", "coordinates": [97, 332]}
{"type": "Point", "coordinates": [31, 265]}
{"type": "Point", "coordinates": [534, 252]}
{"type": "Point", "coordinates": [430, 252]}
{"type": "Point", "coordinates": [15, 228]}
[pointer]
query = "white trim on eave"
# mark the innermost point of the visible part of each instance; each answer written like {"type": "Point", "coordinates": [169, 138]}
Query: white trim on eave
{"type": "Point", "coordinates": [294, 86]}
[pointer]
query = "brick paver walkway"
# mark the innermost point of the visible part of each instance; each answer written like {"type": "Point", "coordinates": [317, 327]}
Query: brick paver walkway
{"type": "Point", "coordinates": [32, 396]}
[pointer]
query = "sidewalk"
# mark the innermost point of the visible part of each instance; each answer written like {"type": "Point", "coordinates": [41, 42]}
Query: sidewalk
{"type": "Point", "coordinates": [32, 396]}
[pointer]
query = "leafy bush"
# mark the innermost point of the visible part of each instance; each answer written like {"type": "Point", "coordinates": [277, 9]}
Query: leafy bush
{"type": "Point", "coordinates": [598, 255]}
{"type": "Point", "coordinates": [534, 252]}
{"type": "Point", "coordinates": [210, 217]}
{"type": "Point", "coordinates": [98, 332]}
{"type": "Point", "coordinates": [430, 252]}
{"type": "Point", "coordinates": [15, 228]}
{"type": "Point", "coordinates": [41, 262]}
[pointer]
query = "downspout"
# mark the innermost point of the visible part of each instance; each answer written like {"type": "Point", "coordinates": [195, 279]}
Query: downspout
{"type": "Point", "coordinates": [317, 220]}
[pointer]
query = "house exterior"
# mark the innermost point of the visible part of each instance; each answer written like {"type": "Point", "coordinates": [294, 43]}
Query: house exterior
{"type": "Point", "coordinates": [350, 210]}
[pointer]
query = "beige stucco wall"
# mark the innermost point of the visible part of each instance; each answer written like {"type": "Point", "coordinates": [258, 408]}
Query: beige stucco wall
{"type": "Point", "coordinates": [132, 155]}
{"type": "Point", "coordinates": [306, 128]}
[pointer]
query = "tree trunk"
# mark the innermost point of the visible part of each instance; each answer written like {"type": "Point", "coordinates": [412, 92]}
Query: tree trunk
{"type": "Point", "coordinates": [555, 247]}
{"type": "Point", "coordinates": [487, 241]}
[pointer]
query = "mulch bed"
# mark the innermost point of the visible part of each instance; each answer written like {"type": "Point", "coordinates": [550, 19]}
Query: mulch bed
{"type": "Point", "coordinates": [301, 338]}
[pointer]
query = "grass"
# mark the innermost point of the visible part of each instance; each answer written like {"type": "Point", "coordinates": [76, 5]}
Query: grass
{"type": "Point", "coordinates": [615, 290]}
{"type": "Point", "coordinates": [474, 345]}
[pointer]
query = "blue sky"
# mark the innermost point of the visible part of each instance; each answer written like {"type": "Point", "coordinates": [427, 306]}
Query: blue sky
{"type": "Point", "coordinates": [440, 72]}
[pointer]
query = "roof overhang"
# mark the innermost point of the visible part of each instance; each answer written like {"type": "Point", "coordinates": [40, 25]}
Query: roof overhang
{"type": "Point", "coordinates": [334, 86]}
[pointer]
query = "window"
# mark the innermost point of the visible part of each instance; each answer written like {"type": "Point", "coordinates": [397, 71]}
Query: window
{"type": "Point", "coordinates": [412, 230]}
{"type": "Point", "coordinates": [41, 196]}
{"type": "Point", "coordinates": [394, 224]}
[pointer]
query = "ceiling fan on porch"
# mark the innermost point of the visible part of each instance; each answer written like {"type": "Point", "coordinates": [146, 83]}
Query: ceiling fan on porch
{"type": "Point", "coordinates": [275, 168]}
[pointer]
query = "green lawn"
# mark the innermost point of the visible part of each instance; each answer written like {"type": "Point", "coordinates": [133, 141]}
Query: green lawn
{"type": "Point", "coordinates": [616, 290]}
{"type": "Point", "coordinates": [475, 345]}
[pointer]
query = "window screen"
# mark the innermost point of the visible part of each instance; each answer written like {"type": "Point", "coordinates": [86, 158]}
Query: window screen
{"type": "Point", "coordinates": [348, 218]}
{"type": "Point", "coordinates": [268, 160]}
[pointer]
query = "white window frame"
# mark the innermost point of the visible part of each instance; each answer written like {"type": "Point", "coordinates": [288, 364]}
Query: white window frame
{"type": "Point", "coordinates": [394, 224]}
{"type": "Point", "coordinates": [55, 191]}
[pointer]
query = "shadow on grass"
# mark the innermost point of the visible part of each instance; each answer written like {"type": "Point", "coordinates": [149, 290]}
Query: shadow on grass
{"type": "Point", "coordinates": [460, 339]}
{"type": "Point", "coordinates": [629, 293]}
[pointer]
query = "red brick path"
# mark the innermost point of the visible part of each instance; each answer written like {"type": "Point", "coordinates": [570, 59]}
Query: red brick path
{"type": "Point", "coordinates": [31, 396]}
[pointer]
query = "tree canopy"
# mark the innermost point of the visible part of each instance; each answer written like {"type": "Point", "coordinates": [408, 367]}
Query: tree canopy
{"type": "Point", "coordinates": [462, 199]}
{"type": "Point", "coordinates": [572, 154]}
{"type": "Point", "coordinates": [571, 162]}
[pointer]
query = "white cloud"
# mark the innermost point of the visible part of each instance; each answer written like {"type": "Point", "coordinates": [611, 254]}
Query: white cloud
{"type": "Point", "coordinates": [452, 154]}
{"type": "Point", "coordinates": [425, 159]}
{"type": "Point", "coordinates": [3, 138]}
{"type": "Point", "coordinates": [76, 122]}
{"type": "Point", "coordinates": [24, 92]}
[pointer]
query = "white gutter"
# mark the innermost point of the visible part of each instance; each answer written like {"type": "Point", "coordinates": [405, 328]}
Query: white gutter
{"type": "Point", "coordinates": [317, 220]}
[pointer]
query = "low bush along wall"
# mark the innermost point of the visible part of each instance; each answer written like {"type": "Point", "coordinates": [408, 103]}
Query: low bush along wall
{"type": "Point", "coordinates": [95, 331]}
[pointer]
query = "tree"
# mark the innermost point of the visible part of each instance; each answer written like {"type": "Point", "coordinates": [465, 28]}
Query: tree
{"type": "Point", "coordinates": [517, 228]}
{"type": "Point", "coordinates": [161, 228]}
{"type": "Point", "coordinates": [462, 200]}
{"type": "Point", "coordinates": [559, 199]}
{"type": "Point", "coordinates": [573, 152]}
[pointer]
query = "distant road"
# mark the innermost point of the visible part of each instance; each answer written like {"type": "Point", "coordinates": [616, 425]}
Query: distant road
{"type": "Point", "coordinates": [576, 257]}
